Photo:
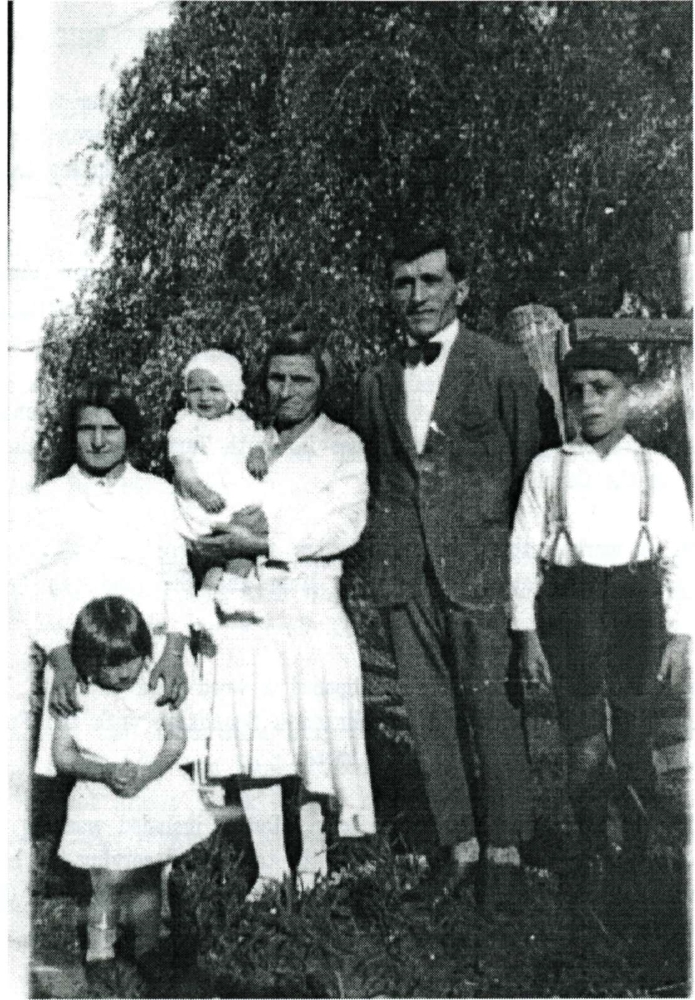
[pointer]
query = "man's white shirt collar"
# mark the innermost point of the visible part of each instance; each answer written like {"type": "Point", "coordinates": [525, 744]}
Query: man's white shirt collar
{"type": "Point", "coordinates": [445, 337]}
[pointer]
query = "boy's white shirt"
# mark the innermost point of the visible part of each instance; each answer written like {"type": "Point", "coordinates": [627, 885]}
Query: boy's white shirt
{"type": "Point", "coordinates": [603, 502]}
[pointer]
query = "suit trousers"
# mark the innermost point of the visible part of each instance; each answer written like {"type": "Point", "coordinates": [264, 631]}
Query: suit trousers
{"type": "Point", "coordinates": [453, 665]}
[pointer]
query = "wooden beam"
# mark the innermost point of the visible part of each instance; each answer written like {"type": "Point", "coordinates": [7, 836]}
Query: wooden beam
{"type": "Point", "coordinates": [647, 330]}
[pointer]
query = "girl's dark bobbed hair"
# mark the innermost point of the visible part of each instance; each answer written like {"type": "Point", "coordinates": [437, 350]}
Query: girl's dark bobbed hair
{"type": "Point", "coordinates": [107, 632]}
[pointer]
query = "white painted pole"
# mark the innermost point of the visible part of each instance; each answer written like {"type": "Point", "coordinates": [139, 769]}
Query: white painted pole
{"type": "Point", "coordinates": [28, 307]}
{"type": "Point", "coordinates": [686, 260]}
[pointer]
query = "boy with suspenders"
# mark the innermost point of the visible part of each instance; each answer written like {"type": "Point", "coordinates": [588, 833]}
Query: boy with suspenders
{"type": "Point", "coordinates": [600, 576]}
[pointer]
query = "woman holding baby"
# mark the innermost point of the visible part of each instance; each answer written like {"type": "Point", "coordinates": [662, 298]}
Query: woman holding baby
{"type": "Point", "coordinates": [287, 681]}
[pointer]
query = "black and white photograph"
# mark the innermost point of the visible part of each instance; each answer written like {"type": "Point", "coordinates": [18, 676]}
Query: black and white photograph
{"type": "Point", "coordinates": [388, 695]}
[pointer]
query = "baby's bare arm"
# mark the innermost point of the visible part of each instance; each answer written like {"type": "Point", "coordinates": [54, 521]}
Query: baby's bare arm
{"type": "Point", "coordinates": [172, 748]}
{"type": "Point", "coordinates": [188, 484]}
{"type": "Point", "coordinates": [257, 462]}
{"type": "Point", "coordinates": [68, 759]}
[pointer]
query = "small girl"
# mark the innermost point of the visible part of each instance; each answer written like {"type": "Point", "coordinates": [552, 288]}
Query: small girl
{"type": "Point", "coordinates": [218, 457]}
{"type": "Point", "coordinates": [131, 810]}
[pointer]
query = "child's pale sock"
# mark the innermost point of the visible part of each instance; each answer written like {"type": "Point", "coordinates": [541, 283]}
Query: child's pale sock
{"type": "Point", "coordinates": [166, 909]}
{"type": "Point", "coordinates": [206, 611]}
{"type": "Point", "coordinates": [101, 933]}
{"type": "Point", "coordinates": [503, 855]}
{"type": "Point", "coordinates": [467, 852]}
{"type": "Point", "coordinates": [240, 595]}
{"type": "Point", "coordinates": [146, 916]}
{"type": "Point", "coordinates": [263, 809]}
{"type": "Point", "coordinates": [313, 864]}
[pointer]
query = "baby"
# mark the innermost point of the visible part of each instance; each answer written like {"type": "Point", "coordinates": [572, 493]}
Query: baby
{"type": "Point", "coordinates": [219, 461]}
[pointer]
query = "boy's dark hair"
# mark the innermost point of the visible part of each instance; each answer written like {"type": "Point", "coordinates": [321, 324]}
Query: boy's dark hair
{"type": "Point", "coordinates": [414, 239]}
{"type": "Point", "coordinates": [103, 394]}
{"type": "Point", "coordinates": [601, 355]}
{"type": "Point", "coordinates": [107, 632]}
{"type": "Point", "coordinates": [298, 341]}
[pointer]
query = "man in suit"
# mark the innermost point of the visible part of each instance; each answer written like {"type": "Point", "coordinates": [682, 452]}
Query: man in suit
{"type": "Point", "coordinates": [450, 425]}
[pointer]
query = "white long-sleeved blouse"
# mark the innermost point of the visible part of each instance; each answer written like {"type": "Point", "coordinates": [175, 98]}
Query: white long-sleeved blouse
{"type": "Point", "coordinates": [89, 537]}
{"type": "Point", "coordinates": [603, 505]}
{"type": "Point", "coordinates": [316, 494]}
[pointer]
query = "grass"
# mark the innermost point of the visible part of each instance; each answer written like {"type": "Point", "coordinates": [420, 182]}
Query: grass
{"type": "Point", "coordinates": [375, 929]}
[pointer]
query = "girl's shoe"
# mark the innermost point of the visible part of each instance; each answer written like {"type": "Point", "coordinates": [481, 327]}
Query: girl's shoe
{"type": "Point", "coordinates": [156, 969]}
{"type": "Point", "coordinates": [114, 977]}
{"type": "Point", "coordinates": [265, 888]}
{"type": "Point", "coordinates": [307, 881]}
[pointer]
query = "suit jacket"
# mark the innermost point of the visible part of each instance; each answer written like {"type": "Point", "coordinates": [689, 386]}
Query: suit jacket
{"type": "Point", "coordinates": [450, 507]}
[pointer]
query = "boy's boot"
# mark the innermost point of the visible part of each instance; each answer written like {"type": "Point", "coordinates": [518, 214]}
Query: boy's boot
{"type": "Point", "coordinates": [587, 875]}
{"type": "Point", "coordinates": [185, 938]}
{"type": "Point", "coordinates": [637, 807]}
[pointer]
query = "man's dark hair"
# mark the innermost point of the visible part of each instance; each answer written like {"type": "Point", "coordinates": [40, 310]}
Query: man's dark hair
{"type": "Point", "coordinates": [103, 394]}
{"type": "Point", "coordinates": [413, 240]}
{"type": "Point", "coordinates": [299, 342]}
{"type": "Point", "coordinates": [108, 631]}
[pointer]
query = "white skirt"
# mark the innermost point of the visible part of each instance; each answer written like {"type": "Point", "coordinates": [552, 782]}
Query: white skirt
{"type": "Point", "coordinates": [195, 710]}
{"type": "Point", "coordinates": [161, 822]}
{"type": "Point", "coordinates": [288, 694]}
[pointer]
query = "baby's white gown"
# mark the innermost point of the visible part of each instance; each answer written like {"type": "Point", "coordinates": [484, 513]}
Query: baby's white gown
{"type": "Point", "coordinates": [162, 821]}
{"type": "Point", "coordinates": [218, 450]}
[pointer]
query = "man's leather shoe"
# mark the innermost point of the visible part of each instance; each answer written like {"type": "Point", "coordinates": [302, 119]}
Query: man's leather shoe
{"type": "Point", "coordinates": [459, 877]}
{"type": "Point", "coordinates": [500, 888]}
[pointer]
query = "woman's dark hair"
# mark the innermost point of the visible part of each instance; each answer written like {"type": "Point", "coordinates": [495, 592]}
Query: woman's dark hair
{"type": "Point", "coordinates": [299, 342]}
{"type": "Point", "coordinates": [104, 394]}
{"type": "Point", "coordinates": [107, 632]}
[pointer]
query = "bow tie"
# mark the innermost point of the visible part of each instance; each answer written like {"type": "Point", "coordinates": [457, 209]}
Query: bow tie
{"type": "Point", "coordinates": [424, 353]}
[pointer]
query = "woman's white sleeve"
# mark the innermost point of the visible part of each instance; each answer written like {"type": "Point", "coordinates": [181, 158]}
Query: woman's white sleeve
{"type": "Point", "coordinates": [39, 580]}
{"type": "Point", "coordinates": [181, 437]}
{"type": "Point", "coordinates": [176, 574]}
{"type": "Point", "coordinates": [320, 523]}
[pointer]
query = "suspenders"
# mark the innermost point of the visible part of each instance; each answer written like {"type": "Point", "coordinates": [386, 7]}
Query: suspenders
{"type": "Point", "coordinates": [645, 498]}
{"type": "Point", "coordinates": [563, 530]}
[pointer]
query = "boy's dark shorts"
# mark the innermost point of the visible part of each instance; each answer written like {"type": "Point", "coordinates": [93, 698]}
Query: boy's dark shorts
{"type": "Point", "coordinates": [580, 718]}
{"type": "Point", "coordinates": [602, 631]}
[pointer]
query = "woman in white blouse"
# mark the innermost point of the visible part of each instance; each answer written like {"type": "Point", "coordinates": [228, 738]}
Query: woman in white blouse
{"type": "Point", "coordinates": [104, 528]}
{"type": "Point", "coordinates": [288, 690]}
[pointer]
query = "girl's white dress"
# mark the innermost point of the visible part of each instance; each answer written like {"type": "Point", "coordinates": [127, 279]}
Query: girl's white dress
{"type": "Point", "coordinates": [288, 690]}
{"type": "Point", "coordinates": [218, 450]}
{"type": "Point", "coordinates": [162, 821]}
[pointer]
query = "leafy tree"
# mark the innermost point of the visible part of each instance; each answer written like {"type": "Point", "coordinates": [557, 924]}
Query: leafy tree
{"type": "Point", "coordinates": [261, 151]}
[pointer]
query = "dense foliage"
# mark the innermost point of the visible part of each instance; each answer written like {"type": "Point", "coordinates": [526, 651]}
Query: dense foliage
{"type": "Point", "coordinates": [260, 152]}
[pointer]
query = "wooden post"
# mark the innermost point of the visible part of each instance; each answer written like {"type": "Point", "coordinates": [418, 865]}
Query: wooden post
{"type": "Point", "coordinates": [685, 266]}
